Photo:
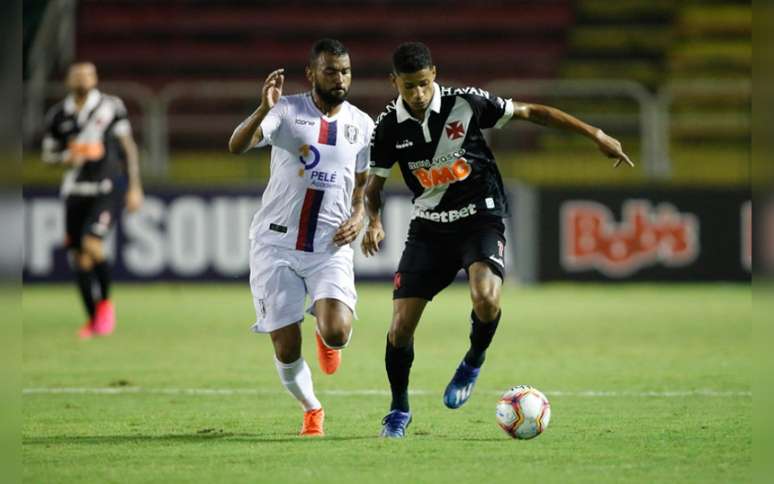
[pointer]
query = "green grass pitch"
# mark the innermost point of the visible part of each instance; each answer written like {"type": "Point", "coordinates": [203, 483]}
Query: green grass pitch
{"type": "Point", "coordinates": [648, 383]}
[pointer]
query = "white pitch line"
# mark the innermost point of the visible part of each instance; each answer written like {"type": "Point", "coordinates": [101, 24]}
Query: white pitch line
{"type": "Point", "coordinates": [364, 392]}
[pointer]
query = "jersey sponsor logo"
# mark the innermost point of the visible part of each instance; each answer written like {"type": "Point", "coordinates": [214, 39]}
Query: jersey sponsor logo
{"type": "Point", "coordinates": [323, 179]}
{"type": "Point", "coordinates": [350, 133]}
{"type": "Point", "coordinates": [327, 135]}
{"type": "Point", "coordinates": [406, 143]}
{"type": "Point", "coordinates": [445, 217]}
{"type": "Point", "coordinates": [90, 151]}
{"type": "Point", "coordinates": [455, 130]}
{"type": "Point", "coordinates": [443, 174]}
{"type": "Point", "coordinates": [646, 237]}
{"type": "Point", "coordinates": [310, 156]}
{"type": "Point", "coordinates": [304, 122]}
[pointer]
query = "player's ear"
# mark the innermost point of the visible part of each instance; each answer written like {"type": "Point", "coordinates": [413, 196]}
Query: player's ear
{"type": "Point", "coordinates": [394, 80]}
{"type": "Point", "coordinates": [309, 74]}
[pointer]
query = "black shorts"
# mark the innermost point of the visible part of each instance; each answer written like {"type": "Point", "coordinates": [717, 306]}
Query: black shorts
{"type": "Point", "coordinates": [431, 260]}
{"type": "Point", "coordinates": [93, 216]}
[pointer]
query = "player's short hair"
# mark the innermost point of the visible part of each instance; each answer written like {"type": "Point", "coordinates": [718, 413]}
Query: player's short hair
{"type": "Point", "coordinates": [328, 46]}
{"type": "Point", "coordinates": [411, 57]}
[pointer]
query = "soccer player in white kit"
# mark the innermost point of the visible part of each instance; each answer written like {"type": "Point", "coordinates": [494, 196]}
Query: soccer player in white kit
{"type": "Point", "coordinates": [312, 209]}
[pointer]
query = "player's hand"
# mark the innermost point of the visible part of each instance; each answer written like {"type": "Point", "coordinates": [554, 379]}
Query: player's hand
{"type": "Point", "coordinates": [612, 148]}
{"type": "Point", "coordinates": [272, 89]}
{"type": "Point", "coordinates": [374, 235]}
{"type": "Point", "coordinates": [349, 230]}
{"type": "Point", "coordinates": [134, 199]}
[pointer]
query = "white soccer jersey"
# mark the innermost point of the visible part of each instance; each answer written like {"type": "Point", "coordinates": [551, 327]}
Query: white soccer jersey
{"type": "Point", "coordinates": [314, 159]}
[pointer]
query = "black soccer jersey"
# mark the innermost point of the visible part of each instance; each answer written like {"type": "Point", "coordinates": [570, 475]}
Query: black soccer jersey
{"type": "Point", "coordinates": [91, 132]}
{"type": "Point", "coordinates": [444, 158]}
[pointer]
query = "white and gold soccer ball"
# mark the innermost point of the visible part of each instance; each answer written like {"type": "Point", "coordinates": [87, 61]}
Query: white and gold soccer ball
{"type": "Point", "coordinates": [523, 412]}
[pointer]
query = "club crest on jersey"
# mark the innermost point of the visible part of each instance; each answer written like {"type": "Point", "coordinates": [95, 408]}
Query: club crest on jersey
{"type": "Point", "coordinates": [310, 156]}
{"type": "Point", "coordinates": [350, 133]}
{"type": "Point", "coordinates": [455, 130]}
{"type": "Point", "coordinates": [443, 174]}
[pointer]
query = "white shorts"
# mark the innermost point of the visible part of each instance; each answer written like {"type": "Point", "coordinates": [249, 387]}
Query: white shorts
{"type": "Point", "coordinates": [280, 279]}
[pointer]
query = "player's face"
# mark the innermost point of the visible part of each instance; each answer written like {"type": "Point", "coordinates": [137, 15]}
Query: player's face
{"type": "Point", "coordinates": [416, 88]}
{"type": "Point", "coordinates": [331, 76]}
{"type": "Point", "coordinates": [82, 78]}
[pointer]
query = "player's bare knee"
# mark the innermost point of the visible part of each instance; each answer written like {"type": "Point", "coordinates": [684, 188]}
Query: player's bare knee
{"type": "Point", "coordinates": [486, 305]}
{"type": "Point", "coordinates": [337, 336]}
{"type": "Point", "coordinates": [287, 353]}
{"type": "Point", "coordinates": [83, 261]}
{"type": "Point", "coordinates": [93, 247]}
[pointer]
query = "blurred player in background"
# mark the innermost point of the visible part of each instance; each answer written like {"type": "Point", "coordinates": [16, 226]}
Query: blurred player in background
{"type": "Point", "coordinates": [89, 133]}
{"type": "Point", "coordinates": [311, 211]}
{"type": "Point", "coordinates": [434, 134]}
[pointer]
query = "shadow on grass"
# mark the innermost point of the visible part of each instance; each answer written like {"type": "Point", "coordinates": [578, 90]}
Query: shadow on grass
{"type": "Point", "coordinates": [194, 438]}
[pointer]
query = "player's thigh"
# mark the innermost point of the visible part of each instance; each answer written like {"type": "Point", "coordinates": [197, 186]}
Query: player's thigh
{"type": "Point", "coordinates": [278, 291]}
{"type": "Point", "coordinates": [331, 277]}
{"type": "Point", "coordinates": [426, 267]}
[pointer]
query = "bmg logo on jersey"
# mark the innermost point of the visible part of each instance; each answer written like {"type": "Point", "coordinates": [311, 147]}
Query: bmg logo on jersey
{"type": "Point", "coordinates": [443, 174]}
{"type": "Point", "coordinates": [307, 152]}
{"type": "Point", "coordinates": [647, 236]}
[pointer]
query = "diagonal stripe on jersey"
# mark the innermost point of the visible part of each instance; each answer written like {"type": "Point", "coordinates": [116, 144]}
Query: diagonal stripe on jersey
{"type": "Point", "coordinates": [461, 113]}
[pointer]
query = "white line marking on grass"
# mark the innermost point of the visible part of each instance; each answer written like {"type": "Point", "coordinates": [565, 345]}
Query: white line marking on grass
{"type": "Point", "coordinates": [364, 392]}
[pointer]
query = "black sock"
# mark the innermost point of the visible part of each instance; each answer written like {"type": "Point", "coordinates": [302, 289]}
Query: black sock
{"type": "Point", "coordinates": [481, 335]}
{"type": "Point", "coordinates": [102, 271]}
{"type": "Point", "coordinates": [398, 363]}
{"type": "Point", "coordinates": [85, 281]}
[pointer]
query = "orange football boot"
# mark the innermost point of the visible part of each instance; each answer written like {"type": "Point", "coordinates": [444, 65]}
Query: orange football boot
{"type": "Point", "coordinates": [313, 423]}
{"type": "Point", "coordinates": [328, 358]}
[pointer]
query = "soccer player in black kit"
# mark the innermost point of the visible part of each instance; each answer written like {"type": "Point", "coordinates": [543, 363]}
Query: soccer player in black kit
{"type": "Point", "coordinates": [434, 134]}
{"type": "Point", "coordinates": [89, 133]}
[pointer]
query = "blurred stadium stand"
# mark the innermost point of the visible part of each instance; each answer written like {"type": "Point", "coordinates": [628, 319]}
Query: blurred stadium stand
{"type": "Point", "coordinates": [688, 115]}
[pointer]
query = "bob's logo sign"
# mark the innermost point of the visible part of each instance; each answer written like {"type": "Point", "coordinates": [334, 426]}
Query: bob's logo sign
{"type": "Point", "coordinates": [646, 236]}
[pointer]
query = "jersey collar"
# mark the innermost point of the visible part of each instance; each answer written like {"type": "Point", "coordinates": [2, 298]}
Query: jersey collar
{"type": "Point", "coordinates": [92, 99]}
{"type": "Point", "coordinates": [435, 106]}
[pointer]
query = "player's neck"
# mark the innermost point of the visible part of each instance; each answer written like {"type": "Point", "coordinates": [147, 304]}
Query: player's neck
{"type": "Point", "coordinates": [324, 108]}
{"type": "Point", "coordinates": [80, 99]}
{"type": "Point", "coordinates": [416, 114]}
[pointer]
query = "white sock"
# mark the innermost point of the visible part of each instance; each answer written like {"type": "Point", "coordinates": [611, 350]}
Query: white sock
{"type": "Point", "coordinates": [297, 379]}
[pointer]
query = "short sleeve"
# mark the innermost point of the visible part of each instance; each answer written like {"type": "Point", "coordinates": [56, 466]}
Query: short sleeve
{"type": "Point", "coordinates": [381, 156]}
{"type": "Point", "coordinates": [52, 138]}
{"type": "Point", "coordinates": [121, 125]}
{"type": "Point", "coordinates": [364, 155]}
{"type": "Point", "coordinates": [271, 123]}
{"type": "Point", "coordinates": [490, 111]}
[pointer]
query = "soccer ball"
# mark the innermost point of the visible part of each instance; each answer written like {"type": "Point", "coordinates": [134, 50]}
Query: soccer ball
{"type": "Point", "coordinates": [523, 412]}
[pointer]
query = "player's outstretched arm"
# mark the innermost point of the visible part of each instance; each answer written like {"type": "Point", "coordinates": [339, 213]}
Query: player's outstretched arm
{"type": "Point", "coordinates": [348, 230]}
{"type": "Point", "coordinates": [374, 233]}
{"type": "Point", "coordinates": [249, 133]}
{"type": "Point", "coordinates": [134, 195]}
{"type": "Point", "coordinates": [548, 116]}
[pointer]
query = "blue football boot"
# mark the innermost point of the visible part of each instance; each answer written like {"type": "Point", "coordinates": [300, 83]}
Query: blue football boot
{"type": "Point", "coordinates": [461, 385]}
{"type": "Point", "coordinates": [395, 424]}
